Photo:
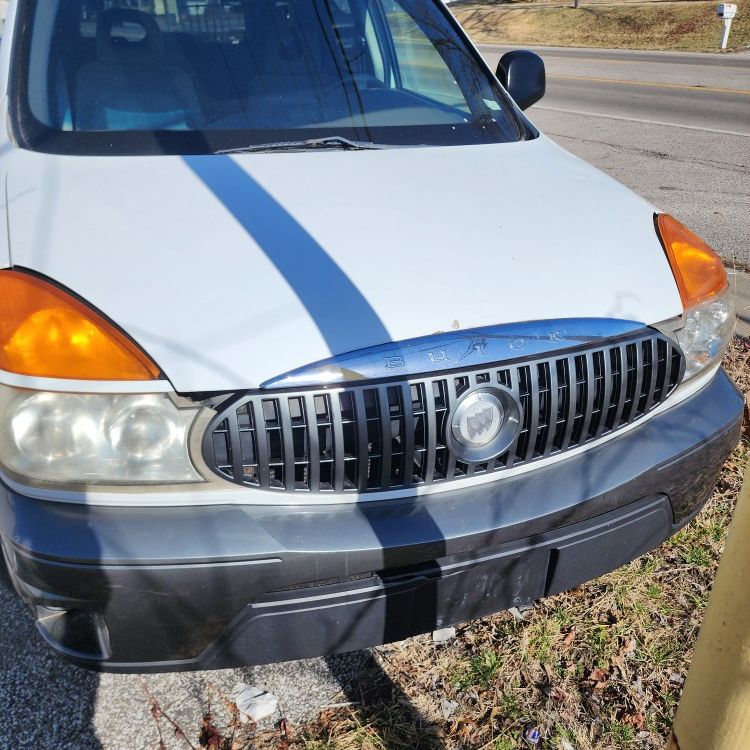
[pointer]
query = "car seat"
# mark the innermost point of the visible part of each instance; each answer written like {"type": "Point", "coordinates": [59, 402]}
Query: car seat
{"type": "Point", "coordinates": [131, 85]}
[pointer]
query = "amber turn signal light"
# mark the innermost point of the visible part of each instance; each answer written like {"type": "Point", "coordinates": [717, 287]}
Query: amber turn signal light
{"type": "Point", "coordinates": [697, 269]}
{"type": "Point", "coordinates": [46, 332]}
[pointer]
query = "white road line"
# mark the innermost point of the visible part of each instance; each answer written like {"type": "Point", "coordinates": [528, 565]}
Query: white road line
{"type": "Point", "coordinates": [637, 119]}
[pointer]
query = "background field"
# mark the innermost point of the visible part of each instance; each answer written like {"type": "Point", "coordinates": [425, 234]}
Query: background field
{"type": "Point", "coordinates": [684, 25]}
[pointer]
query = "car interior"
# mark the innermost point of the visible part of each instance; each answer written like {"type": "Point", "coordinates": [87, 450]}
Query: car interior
{"type": "Point", "coordinates": [253, 64]}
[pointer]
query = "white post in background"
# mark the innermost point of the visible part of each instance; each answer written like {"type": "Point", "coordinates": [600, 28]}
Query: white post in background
{"type": "Point", "coordinates": [725, 35]}
{"type": "Point", "coordinates": [726, 11]}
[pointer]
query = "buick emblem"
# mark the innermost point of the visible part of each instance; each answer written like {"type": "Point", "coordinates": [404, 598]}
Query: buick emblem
{"type": "Point", "coordinates": [478, 419]}
{"type": "Point", "coordinates": [484, 424]}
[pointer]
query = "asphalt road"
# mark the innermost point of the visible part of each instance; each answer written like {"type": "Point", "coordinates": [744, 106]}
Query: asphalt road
{"type": "Point", "coordinates": [689, 166]}
{"type": "Point", "coordinates": [706, 92]}
{"type": "Point", "coordinates": [674, 127]}
{"type": "Point", "coordinates": [686, 93]}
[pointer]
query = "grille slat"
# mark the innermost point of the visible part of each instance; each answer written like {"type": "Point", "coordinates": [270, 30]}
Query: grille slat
{"type": "Point", "coordinates": [264, 469]}
{"type": "Point", "coordinates": [377, 437]}
{"type": "Point", "coordinates": [450, 470]}
{"type": "Point", "coordinates": [339, 453]}
{"type": "Point", "coordinates": [623, 380]}
{"type": "Point", "coordinates": [590, 378]}
{"type": "Point", "coordinates": [363, 452]}
{"type": "Point", "coordinates": [570, 369]}
{"type": "Point", "coordinates": [235, 448]}
{"type": "Point", "coordinates": [607, 397]}
{"type": "Point", "coordinates": [653, 368]}
{"type": "Point", "coordinates": [662, 350]}
{"type": "Point", "coordinates": [630, 379]}
{"type": "Point", "coordinates": [313, 444]}
{"type": "Point", "coordinates": [407, 436]}
{"type": "Point", "coordinates": [676, 360]}
{"type": "Point", "coordinates": [513, 385]}
{"type": "Point", "coordinates": [431, 446]}
{"type": "Point", "coordinates": [553, 409]}
{"type": "Point", "coordinates": [288, 446]}
{"type": "Point", "coordinates": [638, 379]}
{"type": "Point", "coordinates": [533, 402]}
{"type": "Point", "coordinates": [387, 436]}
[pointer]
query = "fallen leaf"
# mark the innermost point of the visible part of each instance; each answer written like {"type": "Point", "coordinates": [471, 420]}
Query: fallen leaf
{"type": "Point", "coordinates": [210, 736]}
{"type": "Point", "coordinates": [558, 694]}
{"type": "Point", "coordinates": [637, 720]}
{"type": "Point", "coordinates": [467, 728]}
{"type": "Point", "coordinates": [598, 675]}
{"type": "Point", "coordinates": [619, 662]}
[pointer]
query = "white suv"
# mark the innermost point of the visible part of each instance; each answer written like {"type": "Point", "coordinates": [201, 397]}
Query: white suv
{"type": "Point", "coordinates": [309, 340]}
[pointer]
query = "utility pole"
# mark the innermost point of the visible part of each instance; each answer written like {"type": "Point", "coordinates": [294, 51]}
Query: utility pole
{"type": "Point", "coordinates": [714, 712]}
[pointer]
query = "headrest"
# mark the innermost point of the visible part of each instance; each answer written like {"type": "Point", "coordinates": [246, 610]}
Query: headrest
{"type": "Point", "coordinates": [145, 46]}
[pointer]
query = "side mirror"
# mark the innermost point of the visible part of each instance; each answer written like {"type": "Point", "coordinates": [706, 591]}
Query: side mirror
{"type": "Point", "coordinates": [522, 74]}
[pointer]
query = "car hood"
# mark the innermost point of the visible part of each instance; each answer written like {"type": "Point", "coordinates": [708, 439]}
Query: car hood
{"type": "Point", "coordinates": [230, 271]}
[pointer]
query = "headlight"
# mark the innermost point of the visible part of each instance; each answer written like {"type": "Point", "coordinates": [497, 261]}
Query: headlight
{"type": "Point", "coordinates": [95, 439]}
{"type": "Point", "coordinates": [708, 312]}
{"type": "Point", "coordinates": [708, 329]}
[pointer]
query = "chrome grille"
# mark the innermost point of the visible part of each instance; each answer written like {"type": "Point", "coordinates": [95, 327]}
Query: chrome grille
{"type": "Point", "coordinates": [389, 435]}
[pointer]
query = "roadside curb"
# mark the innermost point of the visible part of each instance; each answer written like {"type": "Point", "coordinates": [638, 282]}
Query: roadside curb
{"type": "Point", "coordinates": [739, 281]}
{"type": "Point", "coordinates": [743, 54]}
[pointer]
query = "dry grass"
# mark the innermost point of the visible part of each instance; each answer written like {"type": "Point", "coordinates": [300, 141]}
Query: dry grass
{"type": "Point", "coordinates": [600, 667]}
{"type": "Point", "coordinates": [649, 25]}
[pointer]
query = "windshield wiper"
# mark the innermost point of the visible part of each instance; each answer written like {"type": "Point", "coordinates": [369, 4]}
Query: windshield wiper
{"type": "Point", "coordinates": [310, 144]}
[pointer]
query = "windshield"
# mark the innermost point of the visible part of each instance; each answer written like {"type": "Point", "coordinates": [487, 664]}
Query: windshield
{"type": "Point", "coordinates": [203, 76]}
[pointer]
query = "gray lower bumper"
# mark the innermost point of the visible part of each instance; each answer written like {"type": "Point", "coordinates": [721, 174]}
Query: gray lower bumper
{"type": "Point", "coordinates": [152, 589]}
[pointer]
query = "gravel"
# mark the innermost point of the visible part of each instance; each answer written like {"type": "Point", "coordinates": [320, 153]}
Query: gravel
{"type": "Point", "coordinates": [48, 704]}
{"type": "Point", "coordinates": [303, 688]}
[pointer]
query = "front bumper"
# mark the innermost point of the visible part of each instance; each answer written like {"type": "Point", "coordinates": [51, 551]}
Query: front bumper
{"type": "Point", "coordinates": [156, 589]}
